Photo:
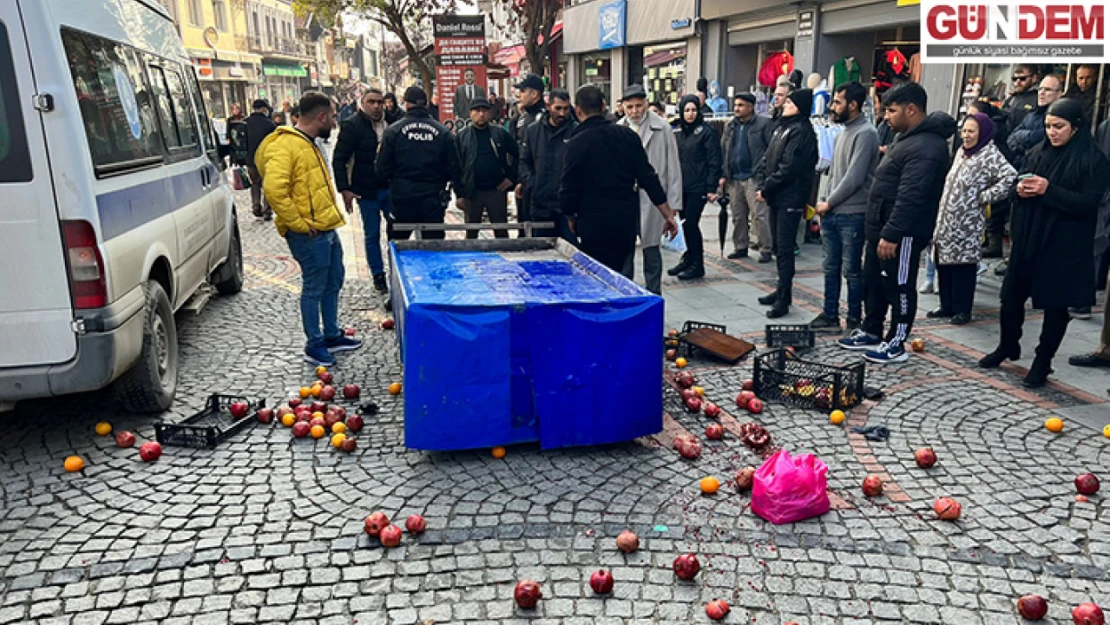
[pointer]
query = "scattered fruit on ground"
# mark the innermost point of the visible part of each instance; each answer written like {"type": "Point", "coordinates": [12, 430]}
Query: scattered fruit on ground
{"type": "Point", "coordinates": [709, 485]}
{"type": "Point", "coordinates": [1086, 484]}
{"type": "Point", "coordinates": [527, 594]}
{"type": "Point", "coordinates": [1106, 431]}
{"type": "Point", "coordinates": [375, 523]}
{"type": "Point", "coordinates": [1032, 607]}
{"type": "Point", "coordinates": [355, 423]}
{"type": "Point", "coordinates": [301, 429]}
{"type": "Point", "coordinates": [714, 431]}
{"type": "Point", "coordinates": [328, 392]}
{"type": "Point", "coordinates": [238, 409]}
{"type": "Point", "coordinates": [326, 377]}
{"type": "Point", "coordinates": [872, 486]}
{"type": "Point", "coordinates": [1088, 614]}
{"type": "Point", "coordinates": [73, 464]}
{"type": "Point", "coordinates": [318, 421]}
{"type": "Point", "coordinates": [744, 398]}
{"type": "Point", "coordinates": [711, 410]}
{"type": "Point", "coordinates": [680, 362]}
{"type": "Point", "coordinates": [671, 354]}
{"type": "Point", "coordinates": [1082, 498]}
{"type": "Point", "coordinates": [390, 536]}
{"type": "Point", "coordinates": [755, 406]}
{"type": "Point", "coordinates": [925, 457]}
{"type": "Point", "coordinates": [316, 388]}
{"type": "Point", "coordinates": [395, 388]}
{"type": "Point", "coordinates": [672, 333]}
{"type": "Point", "coordinates": [745, 477]}
{"type": "Point", "coordinates": [387, 324]}
{"type": "Point", "coordinates": [602, 582]}
{"type": "Point", "coordinates": [103, 428]}
{"type": "Point", "coordinates": [1055, 425]}
{"type": "Point", "coordinates": [748, 385]}
{"type": "Point", "coordinates": [917, 345]}
{"type": "Point", "coordinates": [349, 331]}
{"type": "Point", "coordinates": [628, 541]}
{"type": "Point", "coordinates": [338, 428]}
{"type": "Point", "coordinates": [338, 439]}
{"type": "Point", "coordinates": [351, 391]}
{"type": "Point", "coordinates": [294, 402]}
{"type": "Point", "coordinates": [317, 431]}
{"type": "Point", "coordinates": [349, 445]}
{"type": "Point", "coordinates": [947, 509]}
{"type": "Point", "coordinates": [266, 415]}
{"type": "Point", "coordinates": [305, 392]}
{"type": "Point", "coordinates": [288, 419]}
{"type": "Point", "coordinates": [125, 438]}
{"type": "Point", "coordinates": [688, 447]}
{"type": "Point", "coordinates": [754, 435]}
{"type": "Point", "coordinates": [498, 452]}
{"type": "Point", "coordinates": [321, 369]}
{"type": "Point", "coordinates": [416, 524]}
{"type": "Point", "coordinates": [836, 417]}
{"type": "Point", "coordinates": [150, 451]}
{"type": "Point", "coordinates": [699, 391]}
{"type": "Point", "coordinates": [318, 406]}
{"type": "Point", "coordinates": [693, 404]}
{"type": "Point", "coordinates": [684, 379]}
{"type": "Point", "coordinates": [717, 609]}
{"type": "Point", "coordinates": [686, 566]}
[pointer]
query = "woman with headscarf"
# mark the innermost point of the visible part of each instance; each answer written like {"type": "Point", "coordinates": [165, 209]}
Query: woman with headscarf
{"type": "Point", "coordinates": [1056, 201]}
{"type": "Point", "coordinates": [699, 152]}
{"type": "Point", "coordinates": [979, 176]}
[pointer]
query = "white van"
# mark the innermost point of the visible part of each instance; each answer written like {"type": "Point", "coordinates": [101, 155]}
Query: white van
{"type": "Point", "coordinates": [114, 208]}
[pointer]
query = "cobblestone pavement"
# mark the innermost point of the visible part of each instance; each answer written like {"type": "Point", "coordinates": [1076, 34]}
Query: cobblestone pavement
{"type": "Point", "coordinates": [268, 529]}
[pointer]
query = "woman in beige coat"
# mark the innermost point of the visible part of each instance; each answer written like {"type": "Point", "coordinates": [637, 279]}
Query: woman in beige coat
{"type": "Point", "coordinates": [980, 175]}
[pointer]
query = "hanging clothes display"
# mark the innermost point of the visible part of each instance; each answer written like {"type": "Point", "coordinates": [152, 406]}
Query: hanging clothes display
{"type": "Point", "coordinates": [777, 64]}
{"type": "Point", "coordinates": [821, 97]}
{"type": "Point", "coordinates": [827, 132]}
{"type": "Point", "coordinates": [762, 104]}
{"type": "Point", "coordinates": [843, 72]}
{"type": "Point", "coordinates": [891, 68]}
{"type": "Point", "coordinates": [915, 67]}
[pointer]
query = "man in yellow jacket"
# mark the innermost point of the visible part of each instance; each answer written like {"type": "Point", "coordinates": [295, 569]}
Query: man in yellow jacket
{"type": "Point", "coordinates": [300, 191]}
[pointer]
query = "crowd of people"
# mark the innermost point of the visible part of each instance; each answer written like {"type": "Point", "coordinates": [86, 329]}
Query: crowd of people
{"type": "Point", "coordinates": [896, 191]}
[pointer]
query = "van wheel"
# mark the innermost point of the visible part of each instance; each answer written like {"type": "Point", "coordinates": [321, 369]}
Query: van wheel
{"type": "Point", "coordinates": [228, 277]}
{"type": "Point", "coordinates": [150, 385]}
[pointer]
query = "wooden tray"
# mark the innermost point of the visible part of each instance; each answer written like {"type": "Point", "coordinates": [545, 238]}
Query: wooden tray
{"type": "Point", "coordinates": [718, 344]}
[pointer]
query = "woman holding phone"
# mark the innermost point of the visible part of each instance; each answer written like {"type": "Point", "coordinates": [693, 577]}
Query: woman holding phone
{"type": "Point", "coordinates": [1055, 203]}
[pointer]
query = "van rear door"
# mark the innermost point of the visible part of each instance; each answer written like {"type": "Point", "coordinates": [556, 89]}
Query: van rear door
{"type": "Point", "coordinates": [36, 311]}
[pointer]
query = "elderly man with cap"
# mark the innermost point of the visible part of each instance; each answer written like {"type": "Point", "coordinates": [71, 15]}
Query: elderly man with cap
{"type": "Point", "coordinates": [743, 143]}
{"type": "Point", "coordinates": [490, 160]}
{"type": "Point", "coordinates": [531, 107]}
{"type": "Point", "coordinates": [658, 140]}
{"type": "Point", "coordinates": [417, 158]}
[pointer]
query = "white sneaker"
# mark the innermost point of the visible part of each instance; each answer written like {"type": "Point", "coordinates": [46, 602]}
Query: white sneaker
{"type": "Point", "coordinates": [927, 288]}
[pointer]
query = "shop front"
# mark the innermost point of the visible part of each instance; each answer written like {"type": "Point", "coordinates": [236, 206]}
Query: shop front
{"type": "Point", "coordinates": [992, 82]}
{"type": "Point", "coordinates": [282, 82]}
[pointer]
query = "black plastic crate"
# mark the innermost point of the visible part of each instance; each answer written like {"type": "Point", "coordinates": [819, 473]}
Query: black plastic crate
{"type": "Point", "coordinates": [211, 426]}
{"type": "Point", "coordinates": [798, 337]}
{"type": "Point", "coordinates": [783, 377]}
{"type": "Point", "coordinates": [687, 350]}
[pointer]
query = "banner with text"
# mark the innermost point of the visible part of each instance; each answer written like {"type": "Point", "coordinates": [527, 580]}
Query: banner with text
{"type": "Point", "coordinates": [1013, 31]}
{"type": "Point", "coordinates": [460, 43]}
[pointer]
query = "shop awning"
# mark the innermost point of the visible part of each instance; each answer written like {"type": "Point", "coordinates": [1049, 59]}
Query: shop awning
{"type": "Point", "coordinates": [510, 55]}
{"type": "Point", "coordinates": [662, 58]}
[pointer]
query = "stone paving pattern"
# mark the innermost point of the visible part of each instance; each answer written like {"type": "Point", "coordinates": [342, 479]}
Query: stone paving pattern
{"type": "Point", "coordinates": [266, 529]}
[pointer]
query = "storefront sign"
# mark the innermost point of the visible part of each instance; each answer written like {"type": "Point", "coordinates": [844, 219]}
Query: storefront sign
{"type": "Point", "coordinates": [1013, 31]}
{"type": "Point", "coordinates": [805, 24]}
{"type": "Point", "coordinates": [611, 20]}
{"type": "Point", "coordinates": [296, 71]}
{"type": "Point", "coordinates": [460, 46]}
{"type": "Point", "coordinates": [680, 24]}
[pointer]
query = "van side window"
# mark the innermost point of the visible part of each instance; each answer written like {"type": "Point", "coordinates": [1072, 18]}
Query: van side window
{"type": "Point", "coordinates": [115, 103]}
{"type": "Point", "coordinates": [182, 109]}
{"type": "Point", "coordinates": [208, 135]}
{"type": "Point", "coordinates": [15, 158]}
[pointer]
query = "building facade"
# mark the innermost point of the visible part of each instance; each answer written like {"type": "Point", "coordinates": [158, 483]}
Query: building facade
{"type": "Point", "coordinates": [272, 35]}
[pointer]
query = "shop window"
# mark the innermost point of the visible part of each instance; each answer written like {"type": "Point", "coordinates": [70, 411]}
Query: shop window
{"type": "Point", "coordinates": [115, 102]}
{"type": "Point", "coordinates": [15, 157]}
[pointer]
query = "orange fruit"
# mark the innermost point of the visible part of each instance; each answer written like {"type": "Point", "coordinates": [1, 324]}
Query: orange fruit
{"type": "Point", "coordinates": [337, 440]}
{"type": "Point", "coordinates": [395, 388]}
{"type": "Point", "coordinates": [836, 417]}
{"type": "Point", "coordinates": [103, 428]}
{"type": "Point", "coordinates": [1055, 424]}
{"type": "Point", "coordinates": [1106, 431]}
{"type": "Point", "coordinates": [338, 427]}
{"type": "Point", "coordinates": [305, 392]}
{"type": "Point", "coordinates": [709, 485]}
{"type": "Point", "coordinates": [317, 415]}
{"type": "Point", "coordinates": [321, 369]}
{"type": "Point", "coordinates": [680, 362]}
{"type": "Point", "coordinates": [74, 464]}
{"type": "Point", "coordinates": [317, 431]}
{"type": "Point", "coordinates": [498, 452]}
{"type": "Point", "coordinates": [700, 391]}
{"type": "Point", "coordinates": [288, 420]}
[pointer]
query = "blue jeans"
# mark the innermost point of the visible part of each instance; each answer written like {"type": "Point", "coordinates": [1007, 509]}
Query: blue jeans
{"type": "Point", "coordinates": [842, 237]}
{"type": "Point", "coordinates": [321, 261]}
{"type": "Point", "coordinates": [372, 209]}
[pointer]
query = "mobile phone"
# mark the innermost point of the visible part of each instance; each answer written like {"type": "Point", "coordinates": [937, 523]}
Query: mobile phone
{"type": "Point", "coordinates": [1024, 176]}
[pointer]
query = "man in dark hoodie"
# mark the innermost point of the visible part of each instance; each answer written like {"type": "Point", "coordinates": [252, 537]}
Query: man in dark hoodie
{"type": "Point", "coordinates": [541, 164]}
{"type": "Point", "coordinates": [259, 126]}
{"type": "Point", "coordinates": [784, 179]}
{"type": "Point", "coordinates": [901, 216]}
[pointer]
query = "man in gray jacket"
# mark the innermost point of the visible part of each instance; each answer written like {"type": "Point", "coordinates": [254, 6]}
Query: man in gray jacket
{"type": "Point", "coordinates": [743, 143]}
{"type": "Point", "coordinates": [855, 155]}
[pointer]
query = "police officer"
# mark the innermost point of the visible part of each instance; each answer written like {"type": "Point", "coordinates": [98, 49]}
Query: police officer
{"type": "Point", "coordinates": [531, 108]}
{"type": "Point", "coordinates": [417, 159]}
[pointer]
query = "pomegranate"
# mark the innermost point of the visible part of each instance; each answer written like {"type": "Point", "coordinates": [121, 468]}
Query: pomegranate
{"type": "Point", "coordinates": [348, 445]}
{"type": "Point", "coordinates": [755, 406]}
{"type": "Point", "coordinates": [687, 393]}
{"type": "Point", "coordinates": [301, 429]}
{"type": "Point", "coordinates": [339, 411]}
{"type": "Point", "coordinates": [745, 477]}
{"type": "Point", "coordinates": [711, 410]}
{"type": "Point", "coordinates": [295, 401]}
{"type": "Point", "coordinates": [693, 404]}
{"type": "Point", "coordinates": [714, 431]}
{"type": "Point", "coordinates": [349, 331]}
{"type": "Point", "coordinates": [688, 447]}
{"type": "Point", "coordinates": [331, 419]}
{"type": "Point", "coordinates": [686, 566]}
{"type": "Point", "coordinates": [684, 379]}
{"type": "Point", "coordinates": [318, 406]}
{"type": "Point", "coordinates": [351, 391]}
{"type": "Point", "coordinates": [628, 541]}
{"type": "Point", "coordinates": [872, 486]}
{"type": "Point", "coordinates": [355, 423]}
{"type": "Point", "coordinates": [390, 536]}
{"type": "Point", "coordinates": [302, 415]}
{"type": "Point", "coordinates": [602, 582]}
{"type": "Point", "coordinates": [527, 594]}
{"type": "Point", "coordinates": [1087, 614]}
{"type": "Point", "coordinates": [754, 435]}
{"type": "Point", "coordinates": [375, 523]}
{"type": "Point", "coordinates": [318, 421]}
{"type": "Point", "coordinates": [749, 385]}
{"type": "Point", "coordinates": [387, 324]}
{"type": "Point", "coordinates": [1086, 484]}
{"type": "Point", "coordinates": [743, 398]}
{"type": "Point", "coordinates": [125, 439]}
{"type": "Point", "coordinates": [238, 409]}
{"type": "Point", "coordinates": [328, 392]}
{"type": "Point", "coordinates": [266, 415]}
{"type": "Point", "coordinates": [326, 377]}
{"type": "Point", "coordinates": [150, 451]}
{"type": "Point", "coordinates": [925, 457]}
{"type": "Point", "coordinates": [416, 524]}
{"type": "Point", "coordinates": [947, 509]}
{"type": "Point", "coordinates": [716, 609]}
{"type": "Point", "coordinates": [671, 354]}
{"type": "Point", "coordinates": [1032, 607]}
{"type": "Point", "coordinates": [283, 410]}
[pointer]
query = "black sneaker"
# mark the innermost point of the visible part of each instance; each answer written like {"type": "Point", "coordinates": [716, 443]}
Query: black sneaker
{"type": "Point", "coordinates": [821, 323]}
{"type": "Point", "coordinates": [738, 254]}
{"type": "Point", "coordinates": [939, 313]}
{"type": "Point", "coordinates": [693, 272]}
{"type": "Point", "coordinates": [780, 310]}
{"type": "Point", "coordinates": [1080, 313]}
{"type": "Point", "coordinates": [379, 283]}
{"type": "Point", "coordinates": [764, 257]}
{"type": "Point", "coordinates": [852, 325]}
{"type": "Point", "coordinates": [683, 265]}
{"type": "Point", "coordinates": [960, 319]}
{"type": "Point", "coordinates": [769, 299]}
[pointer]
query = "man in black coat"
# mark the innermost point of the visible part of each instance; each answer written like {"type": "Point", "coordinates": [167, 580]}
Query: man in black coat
{"type": "Point", "coordinates": [490, 162]}
{"type": "Point", "coordinates": [417, 159]}
{"type": "Point", "coordinates": [901, 215]}
{"type": "Point", "coordinates": [743, 144]}
{"type": "Point", "coordinates": [259, 126]}
{"type": "Point", "coordinates": [541, 164]}
{"type": "Point", "coordinates": [784, 179]}
{"type": "Point", "coordinates": [357, 148]}
{"type": "Point", "coordinates": [531, 107]}
{"type": "Point", "coordinates": [1022, 102]}
{"type": "Point", "coordinates": [603, 169]}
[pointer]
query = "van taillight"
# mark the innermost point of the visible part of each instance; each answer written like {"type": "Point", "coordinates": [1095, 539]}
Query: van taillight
{"type": "Point", "coordinates": [86, 267]}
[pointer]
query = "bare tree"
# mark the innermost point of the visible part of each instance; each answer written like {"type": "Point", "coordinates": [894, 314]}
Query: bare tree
{"type": "Point", "coordinates": [535, 19]}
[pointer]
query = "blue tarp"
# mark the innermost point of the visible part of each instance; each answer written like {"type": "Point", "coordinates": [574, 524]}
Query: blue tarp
{"type": "Point", "coordinates": [502, 349]}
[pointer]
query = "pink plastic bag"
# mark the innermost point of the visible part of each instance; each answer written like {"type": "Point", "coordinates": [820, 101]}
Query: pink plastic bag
{"type": "Point", "coordinates": [789, 489]}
